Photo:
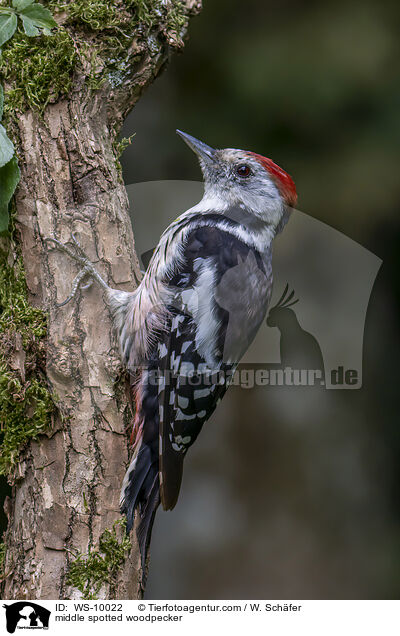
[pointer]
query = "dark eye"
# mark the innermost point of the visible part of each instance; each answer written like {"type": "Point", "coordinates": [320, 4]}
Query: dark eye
{"type": "Point", "coordinates": [243, 170]}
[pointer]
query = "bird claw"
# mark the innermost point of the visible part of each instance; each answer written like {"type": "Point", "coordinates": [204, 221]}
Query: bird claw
{"type": "Point", "coordinates": [76, 285]}
{"type": "Point", "coordinates": [87, 285]}
{"type": "Point", "coordinates": [87, 271]}
{"type": "Point", "coordinates": [80, 257]}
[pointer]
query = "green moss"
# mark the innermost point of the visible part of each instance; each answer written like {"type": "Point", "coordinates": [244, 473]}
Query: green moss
{"type": "Point", "coordinates": [39, 70]}
{"type": "Point", "coordinates": [25, 409]}
{"type": "Point", "coordinates": [26, 404]}
{"type": "Point", "coordinates": [96, 15]}
{"type": "Point", "coordinates": [114, 25]}
{"type": "Point", "coordinates": [170, 15]}
{"type": "Point", "coordinates": [88, 572]}
{"type": "Point", "coordinates": [122, 144]}
{"type": "Point", "coordinates": [16, 314]}
{"type": "Point", "coordinates": [96, 35]}
{"type": "Point", "coordinates": [100, 15]}
{"type": "Point", "coordinates": [144, 10]}
{"type": "Point", "coordinates": [177, 22]}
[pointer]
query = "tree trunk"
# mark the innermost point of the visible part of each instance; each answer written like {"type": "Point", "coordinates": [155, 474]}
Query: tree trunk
{"type": "Point", "coordinates": [67, 485]}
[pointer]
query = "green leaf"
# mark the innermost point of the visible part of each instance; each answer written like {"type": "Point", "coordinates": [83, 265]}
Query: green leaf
{"type": "Point", "coordinates": [6, 147]}
{"type": "Point", "coordinates": [29, 27]}
{"type": "Point", "coordinates": [8, 24]}
{"type": "Point", "coordinates": [39, 15]}
{"type": "Point", "coordinates": [9, 178]}
{"type": "Point", "coordinates": [19, 5]}
{"type": "Point", "coordinates": [1, 101]}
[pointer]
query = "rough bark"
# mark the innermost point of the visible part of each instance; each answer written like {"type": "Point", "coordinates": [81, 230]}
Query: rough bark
{"type": "Point", "coordinates": [67, 488]}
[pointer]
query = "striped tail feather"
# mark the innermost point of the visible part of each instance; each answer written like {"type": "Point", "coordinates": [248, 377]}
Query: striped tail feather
{"type": "Point", "coordinates": [145, 526]}
{"type": "Point", "coordinates": [140, 492]}
{"type": "Point", "coordinates": [138, 485]}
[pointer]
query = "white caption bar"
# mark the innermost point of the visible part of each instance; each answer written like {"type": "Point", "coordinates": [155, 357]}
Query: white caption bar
{"type": "Point", "coordinates": [298, 618]}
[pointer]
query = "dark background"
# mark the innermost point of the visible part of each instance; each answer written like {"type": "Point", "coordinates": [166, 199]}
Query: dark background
{"type": "Point", "coordinates": [291, 495]}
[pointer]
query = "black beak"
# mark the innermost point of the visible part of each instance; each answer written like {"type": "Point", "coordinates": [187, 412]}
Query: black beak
{"type": "Point", "coordinates": [206, 153]}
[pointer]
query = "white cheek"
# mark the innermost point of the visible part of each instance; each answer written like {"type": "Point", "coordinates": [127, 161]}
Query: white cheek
{"type": "Point", "coordinates": [264, 200]}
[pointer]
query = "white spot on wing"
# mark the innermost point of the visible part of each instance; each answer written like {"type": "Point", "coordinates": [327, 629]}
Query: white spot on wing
{"type": "Point", "coordinates": [175, 322]}
{"type": "Point", "coordinates": [181, 416]}
{"type": "Point", "coordinates": [186, 368]}
{"type": "Point", "coordinates": [182, 440]}
{"type": "Point", "coordinates": [207, 325]}
{"type": "Point", "coordinates": [175, 362]}
{"type": "Point", "coordinates": [162, 350]}
{"type": "Point", "coordinates": [183, 401]}
{"type": "Point", "coordinates": [201, 393]}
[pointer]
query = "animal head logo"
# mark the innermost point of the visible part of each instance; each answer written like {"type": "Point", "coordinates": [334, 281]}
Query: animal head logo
{"type": "Point", "coordinates": [26, 615]}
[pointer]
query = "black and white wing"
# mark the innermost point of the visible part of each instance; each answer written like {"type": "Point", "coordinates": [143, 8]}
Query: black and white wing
{"type": "Point", "coordinates": [209, 329]}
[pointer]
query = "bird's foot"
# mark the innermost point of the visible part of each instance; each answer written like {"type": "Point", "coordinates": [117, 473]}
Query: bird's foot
{"type": "Point", "coordinates": [88, 272]}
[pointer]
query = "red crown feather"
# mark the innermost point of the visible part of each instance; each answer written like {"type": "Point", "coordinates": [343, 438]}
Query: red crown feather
{"type": "Point", "coordinates": [282, 179]}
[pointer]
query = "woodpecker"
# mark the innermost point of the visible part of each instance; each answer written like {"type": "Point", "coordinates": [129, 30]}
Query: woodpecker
{"type": "Point", "coordinates": [196, 310]}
